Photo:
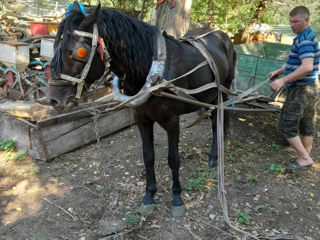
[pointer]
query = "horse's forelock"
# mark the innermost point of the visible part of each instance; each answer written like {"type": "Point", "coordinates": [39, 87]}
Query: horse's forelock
{"type": "Point", "coordinates": [64, 34]}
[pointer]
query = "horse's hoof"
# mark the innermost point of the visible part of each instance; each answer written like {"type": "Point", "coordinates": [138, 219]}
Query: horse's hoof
{"type": "Point", "coordinates": [177, 211]}
{"type": "Point", "coordinates": [146, 209]}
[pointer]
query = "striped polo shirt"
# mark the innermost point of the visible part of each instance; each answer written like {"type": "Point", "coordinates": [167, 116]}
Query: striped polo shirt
{"type": "Point", "coordinates": [305, 45]}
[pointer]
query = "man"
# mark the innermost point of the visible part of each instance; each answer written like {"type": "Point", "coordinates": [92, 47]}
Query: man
{"type": "Point", "coordinates": [298, 114]}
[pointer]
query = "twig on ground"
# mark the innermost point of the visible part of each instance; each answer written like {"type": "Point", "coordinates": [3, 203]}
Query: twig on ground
{"type": "Point", "coordinates": [118, 234]}
{"type": "Point", "coordinates": [210, 225]}
{"type": "Point", "coordinates": [192, 233]}
{"type": "Point", "coordinates": [62, 209]}
{"type": "Point", "coordinates": [91, 191]}
{"type": "Point", "coordinates": [138, 235]}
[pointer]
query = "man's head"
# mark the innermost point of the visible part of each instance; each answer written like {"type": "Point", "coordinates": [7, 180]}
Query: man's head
{"type": "Point", "coordinates": [299, 19]}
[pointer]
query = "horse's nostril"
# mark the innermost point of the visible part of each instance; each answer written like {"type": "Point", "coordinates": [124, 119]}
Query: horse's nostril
{"type": "Point", "coordinates": [53, 102]}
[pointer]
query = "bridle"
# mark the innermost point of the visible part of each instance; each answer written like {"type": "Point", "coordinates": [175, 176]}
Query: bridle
{"type": "Point", "coordinates": [70, 80]}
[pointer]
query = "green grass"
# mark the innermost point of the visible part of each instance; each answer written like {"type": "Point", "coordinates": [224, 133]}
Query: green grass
{"type": "Point", "coordinates": [199, 177]}
{"type": "Point", "coordinates": [7, 145]}
{"type": "Point", "coordinates": [243, 217]}
{"type": "Point", "coordinates": [276, 168]}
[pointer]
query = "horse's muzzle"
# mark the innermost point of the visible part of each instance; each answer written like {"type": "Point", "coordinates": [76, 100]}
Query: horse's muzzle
{"type": "Point", "coordinates": [65, 104]}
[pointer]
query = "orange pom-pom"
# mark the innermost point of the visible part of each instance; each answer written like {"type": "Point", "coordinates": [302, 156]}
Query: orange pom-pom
{"type": "Point", "coordinates": [82, 52]}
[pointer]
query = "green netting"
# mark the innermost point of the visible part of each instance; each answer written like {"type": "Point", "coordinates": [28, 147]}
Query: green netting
{"type": "Point", "coordinates": [255, 61]}
{"type": "Point", "coordinates": [264, 49]}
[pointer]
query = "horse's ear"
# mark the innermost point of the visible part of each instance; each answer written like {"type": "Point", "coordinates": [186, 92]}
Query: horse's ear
{"type": "Point", "coordinates": [75, 7]}
{"type": "Point", "coordinates": [90, 19]}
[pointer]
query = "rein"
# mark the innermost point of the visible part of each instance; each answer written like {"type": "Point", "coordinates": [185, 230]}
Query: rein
{"type": "Point", "coordinates": [66, 79]}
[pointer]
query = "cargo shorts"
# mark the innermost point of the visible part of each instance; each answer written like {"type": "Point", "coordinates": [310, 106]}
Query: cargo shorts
{"type": "Point", "coordinates": [299, 112]}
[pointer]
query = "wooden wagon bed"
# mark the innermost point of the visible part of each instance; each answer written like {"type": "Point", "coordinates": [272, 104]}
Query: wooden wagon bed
{"type": "Point", "coordinates": [46, 135]}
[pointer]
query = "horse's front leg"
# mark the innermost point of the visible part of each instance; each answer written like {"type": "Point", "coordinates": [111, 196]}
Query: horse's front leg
{"type": "Point", "coordinates": [172, 129]}
{"type": "Point", "coordinates": [146, 131]}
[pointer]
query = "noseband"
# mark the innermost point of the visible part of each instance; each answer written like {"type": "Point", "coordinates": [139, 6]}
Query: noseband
{"type": "Point", "coordinates": [69, 80]}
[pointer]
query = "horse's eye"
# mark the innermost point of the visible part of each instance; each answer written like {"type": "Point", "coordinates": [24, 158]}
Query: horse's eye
{"type": "Point", "coordinates": [70, 52]}
{"type": "Point", "coordinates": [82, 52]}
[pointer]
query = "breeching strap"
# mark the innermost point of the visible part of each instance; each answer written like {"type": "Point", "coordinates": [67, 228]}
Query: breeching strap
{"type": "Point", "coordinates": [220, 138]}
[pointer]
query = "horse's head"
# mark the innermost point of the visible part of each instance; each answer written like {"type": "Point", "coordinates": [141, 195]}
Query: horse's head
{"type": "Point", "coordinates": [77, 61]}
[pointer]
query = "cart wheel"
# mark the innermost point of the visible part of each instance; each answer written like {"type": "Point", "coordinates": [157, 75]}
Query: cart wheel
{"type": "Point", "coordinates": [4, 91]}
{"type": "Point", "coordinates": [47, 70]}
{"type": "Point", "coordinates": [10, 77]}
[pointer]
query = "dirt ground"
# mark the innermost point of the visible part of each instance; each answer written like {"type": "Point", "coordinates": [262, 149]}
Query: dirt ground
{"type": "Point", "coordinates": [63, 199]}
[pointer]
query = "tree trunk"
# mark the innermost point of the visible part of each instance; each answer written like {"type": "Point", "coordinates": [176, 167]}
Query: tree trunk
{"type": "Point", "coordinates": [175, 21]}
{"type": "Point", "coordinates": [256, 16]}
{"type": "Point", "coordinates": [210, 13]}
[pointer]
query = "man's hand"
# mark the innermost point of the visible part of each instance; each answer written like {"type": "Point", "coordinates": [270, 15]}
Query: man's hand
{"type": "Point", "coordinates": [272, 75]}
{"type": "Point", "coordinates": [277, 84]}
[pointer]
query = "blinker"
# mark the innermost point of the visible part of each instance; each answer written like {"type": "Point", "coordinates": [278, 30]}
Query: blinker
{"type": "Point", "coordinates": [81, 52]}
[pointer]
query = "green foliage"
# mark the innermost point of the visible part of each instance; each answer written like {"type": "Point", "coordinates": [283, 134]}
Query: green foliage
{"type": "Point", "coordinates": [66, 159]}
{"type": "Point", "coordinates": [228, 15]}
{"type": "Point", "coordinates": [241, 145]}
{"type": "Point", "coordinates": [257, 208]}
{"type": "Point", "coordinates": [285, 198]}
{"type": "Point", "coordinates": [275, 146]}
{"type": "Point", "coordinates": [252, 177]}
{"type": "Point", "coordinates": [7, 145]}
{"type": "Point", "coordinates": [243, 217]}
{"type": "Point", "coordinates": [20, 156]}
{"type": "Point", "coordinates": [197, 183]}
{"type": "Point", "coordinates": [132, 218]}
{"type": "Point", "coordinates": [199, 177]}
{"type": "Point", "coordinates": [276, 168]}
{"type": "Point", "coordinates": [100, 189]}
{"type": "Point", "coordinates": [34, 171]}
{"type": "Point", "coordinates": [136, 8]}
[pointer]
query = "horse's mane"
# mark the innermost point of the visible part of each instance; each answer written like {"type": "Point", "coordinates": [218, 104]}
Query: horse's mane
{"type": "Point", "coordinates": [130, 42]}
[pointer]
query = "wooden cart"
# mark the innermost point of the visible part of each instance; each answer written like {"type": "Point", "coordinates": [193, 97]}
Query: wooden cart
{"type": "Point", "coordinates": [46, 134]}
{"type": "Point", "coordinates": [255, 61]}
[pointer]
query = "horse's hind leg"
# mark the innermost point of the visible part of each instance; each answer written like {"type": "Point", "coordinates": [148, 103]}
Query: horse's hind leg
{"type": "Point", "coordinates": [146, 131]}
{"type": "Point", "coordinates": [172, 129]}
{"type": "Point", "coordinates": [214, 148]}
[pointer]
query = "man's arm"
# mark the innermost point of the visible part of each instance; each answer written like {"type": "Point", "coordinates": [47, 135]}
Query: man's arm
{"type": "Point", "coordinates": [276, 73]}
{"type": "Point", "coordinates": [305, 67]}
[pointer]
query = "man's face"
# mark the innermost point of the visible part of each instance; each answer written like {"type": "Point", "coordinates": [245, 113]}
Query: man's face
{"type": "Point", "coordinates": [298, 23]}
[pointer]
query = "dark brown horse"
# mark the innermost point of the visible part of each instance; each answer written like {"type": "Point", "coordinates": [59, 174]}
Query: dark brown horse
{"type": "Point", "coordinates": [132, 49]}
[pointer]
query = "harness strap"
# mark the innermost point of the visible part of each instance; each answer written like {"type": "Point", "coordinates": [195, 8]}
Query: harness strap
{"type": "Point", "coordinates": [69, 79]}
{"type": "Point", "coordinates": [246, 93]}
{"type": "Point", "coordinates": [199, 89]}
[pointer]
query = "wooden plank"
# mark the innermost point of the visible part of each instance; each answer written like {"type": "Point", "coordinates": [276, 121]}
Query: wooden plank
{"type": "Point", "coordinates": [83, 111]}
{"type": "Point", "coordinates": [22, 109]}
{"type": "Point", "coordinates": [55, 131]}
{"type": "Point", "coordinates": [19, 131]}
{"type": "Point", "coordinates": [86, 134]}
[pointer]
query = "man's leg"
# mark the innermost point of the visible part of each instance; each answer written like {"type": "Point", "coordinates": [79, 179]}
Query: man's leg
{"type": "Point", "coordinates": [304, 158]}
{"type": "Point", "coordinates": [307, 142]}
